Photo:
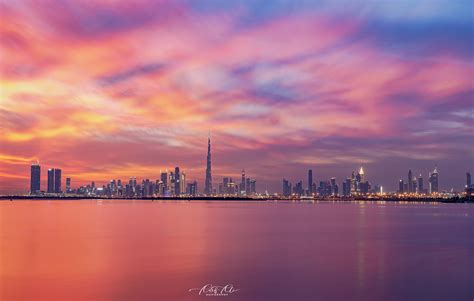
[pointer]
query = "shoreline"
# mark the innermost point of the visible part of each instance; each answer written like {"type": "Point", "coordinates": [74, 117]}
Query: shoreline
{"type": "Point", "coordinates": [452, 200]}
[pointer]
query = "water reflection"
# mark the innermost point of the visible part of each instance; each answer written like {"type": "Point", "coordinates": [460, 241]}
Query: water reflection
{"type": "Point", "coordinates": [138, 250]}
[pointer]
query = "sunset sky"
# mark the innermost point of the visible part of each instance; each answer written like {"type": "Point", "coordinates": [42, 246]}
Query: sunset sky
{"type": "Point", "coordinates": [112, 89]}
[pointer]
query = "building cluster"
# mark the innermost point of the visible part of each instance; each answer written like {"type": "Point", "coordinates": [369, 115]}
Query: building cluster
{"type": "Point", "coordinates": [173, 184]}
{"type": "Point", "coordinates": [54, 180]}
{"type": "Point", "coordinates": [415, 185]}
{"type": "Point", "coordinates": [246, 187]}
{"type": "Point", "coordinates": [353, 185]}
{"type": "Point", "coordinates": [169, 184]}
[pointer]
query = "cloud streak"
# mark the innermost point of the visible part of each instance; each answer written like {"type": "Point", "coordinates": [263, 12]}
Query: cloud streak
{"type": "Point", "coordinates": [108, 89]}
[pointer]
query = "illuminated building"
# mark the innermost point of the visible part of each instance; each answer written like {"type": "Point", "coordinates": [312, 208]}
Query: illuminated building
{"type": "Point", "coordinates": [208, 182]}
{"type": "Point", "coordinates": [410, 183]}
{"type": "Point", "coordinates": [433, 181]}
{"type": "Point", "coordinates": [401, 186]}
{"type": "Point", "coordinates": [177, 179]}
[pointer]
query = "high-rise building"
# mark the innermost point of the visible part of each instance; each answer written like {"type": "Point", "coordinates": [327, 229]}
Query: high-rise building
{"type": "Point", "coordinates": [35, 180]}
{"type": "Point", "coordinates": [253, 187]}
{"type": "Point", "coordinates": [401, 186]}
{"type": "Point", "coordinates": [191, 188]}
{"type": "Point", "coordinates": [242, 183]}
{"type": "Point", "coordinates": [286, 187]}
{"type": "Point", "coordinates": [310, 182]}
{"type": "Point", "coordinates": [68, 185]}
{"type": "Point", "coordinates": [346, 187]}
{"type": "Point", "coordinates": [468, 180]}
{"type": "Point", "coordinates": [225, 185]}
{"type": "Point", "coordinates": [247, 187]}
{"type": "Point", "coordinates": [54, 180]}
{"type": "Point", "coordinates": [177, 179]}
{"type": "Point", "coordinates": [164, 181]}
{"type": "Point", "coordinates": [420, 184]}
{"type": "Point", "coordinates": [182, 182]}
{"type": "Point", "coordinates": [208, 183]}
{"type": "Point", "coordinates": [334, 187]}
{"type": "Point", "coordinates": [433, 179]}
{"type": "Point", "coordinates": [298, 189]}
{"type": "Point", "coordinates": [410, 182]}
{"type": "Point", "coordinates": [362, 174]}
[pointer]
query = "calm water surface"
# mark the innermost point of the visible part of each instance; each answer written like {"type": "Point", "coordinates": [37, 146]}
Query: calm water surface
{"type": "Point", "coordinates": [137, 250]}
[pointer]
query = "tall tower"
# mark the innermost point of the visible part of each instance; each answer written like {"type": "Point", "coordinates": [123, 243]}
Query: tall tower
{"type": "Point", "coordinates": [362, 175]}
{"type": "Point", "coordinates": [177, 184]}
{"type": "Point", "coordinates": [208, 184]}
{"type": "Point", "coordinates": [310, 182]}
{"type": "Point", "coordinates": [242, 183]}
{"type": "Point", "coordinates": [410, 182]}
{"type": "Point", "coordinates": [57, 180]}
{"type": "Point", "coordinates": [50, 180]}
{"type": "Point", "coordinates": [35, 178]}
{"type": "Point", "coordinates": [434, 181]}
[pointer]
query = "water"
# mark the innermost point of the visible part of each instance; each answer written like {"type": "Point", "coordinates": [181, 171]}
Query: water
{"type": "Point", "coordinates": [137, 250]}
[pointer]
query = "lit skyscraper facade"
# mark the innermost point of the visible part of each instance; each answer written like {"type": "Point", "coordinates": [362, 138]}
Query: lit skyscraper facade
{"type": "Point", "coordinates": [177, 178]}
{"type": "Point", "coordinates": [242, 183]}
{"type": "Point", "coordinates": [208, 183]}
{"type": "Point", "coordinates": [410, 181]}
{"type": "Point", "coordinates": [401, 185]}
{"type": "Point", "coordinates": [434, 181]}
{"type": "Point", "coordinates": [468, 180]}
{"type": "Point", "coordinates": [310, 182]}
{"type": "Point", "coordinates": [35, 180]}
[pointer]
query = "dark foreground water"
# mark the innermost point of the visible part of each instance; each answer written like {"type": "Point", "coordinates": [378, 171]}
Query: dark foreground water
{"type": "Point", "coordinates": [134, 250]}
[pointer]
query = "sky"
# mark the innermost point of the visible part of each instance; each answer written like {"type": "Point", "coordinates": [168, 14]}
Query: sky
{"type": "Point", "coordinates": [112, 89]}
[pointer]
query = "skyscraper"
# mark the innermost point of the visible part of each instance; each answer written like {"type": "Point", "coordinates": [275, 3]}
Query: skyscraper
{"type": "Point", "coordinates": [50, 180]}
{"type": "Point", "coordinates": [286, 187]}
{"type": "Point", "coordinates": [410, 183]}
{"type": "Point", "coordinates": [401, 186]}
{"type": "Point", "coordinates": [54, 180]}
{"type": "Point", "coordinates": [164, 181]}
{"type": "Point", "coordinates": [35, 181]}
{"type": "Point", "coordinates": [208, 183]}
{"type": "Point", "coordinates": [68, 184]}
{"type": "Point", "coordinates": [420, 184]}
{"type": "Point", "coordinates": [177, 179]}
{"type": "Point", "coordinates": [57, 180]}
{"type": "Point", "coordinates": [310, 182]}
{"type": "Point", "coordinates": [434, 181]}
{"type": "Point", "coordinates": [362, 175]}
{"type": "Point", "coordinates": [468, 180]}
{"type": "Point", "coordinates": [242, 183]}
{"type": "Point", "coordinates": [183, 182]}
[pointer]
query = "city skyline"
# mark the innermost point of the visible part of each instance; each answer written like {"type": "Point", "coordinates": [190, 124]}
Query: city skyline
{"type": "Point", "coordinates": [174, 184]}
{"type": "Point", "coordinates": [112, 90]}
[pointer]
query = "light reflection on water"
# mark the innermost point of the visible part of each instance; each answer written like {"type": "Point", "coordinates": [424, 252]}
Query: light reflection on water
{"type": "Point", "coordinates": [142, 250]}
